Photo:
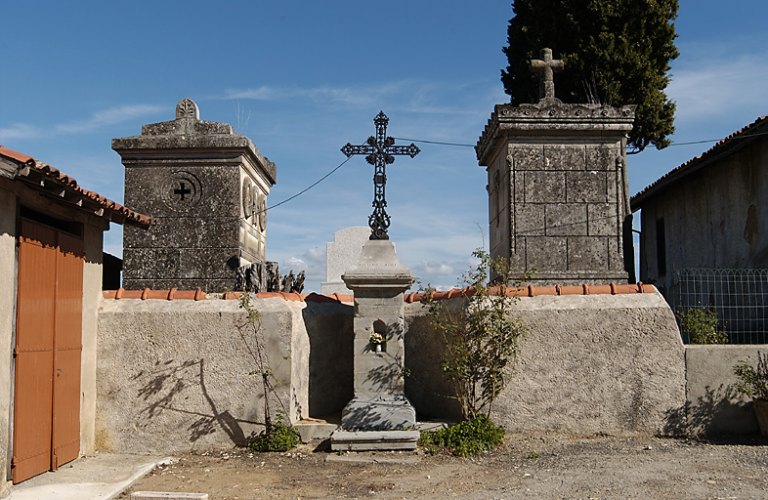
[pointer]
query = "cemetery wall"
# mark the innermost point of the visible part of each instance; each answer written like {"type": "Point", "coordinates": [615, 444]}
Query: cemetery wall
{"type": "Point", "coordinates": [179, 375]}
{"type": "Point", "coordinates": [714, 406]}
{"type": "Point", "coordinates": [174, 375]}
{"type": "Point", "coordinates": [588, 364]}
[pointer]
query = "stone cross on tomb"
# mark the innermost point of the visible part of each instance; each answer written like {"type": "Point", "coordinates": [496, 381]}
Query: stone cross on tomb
{"type": "Point", "coordinates": [545, 69]}
{"type": "Point", "coordinates": [380, 151]}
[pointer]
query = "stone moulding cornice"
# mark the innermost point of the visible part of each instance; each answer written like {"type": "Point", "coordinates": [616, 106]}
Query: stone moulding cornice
{"type": "Point", "coordinates": [554, 118]}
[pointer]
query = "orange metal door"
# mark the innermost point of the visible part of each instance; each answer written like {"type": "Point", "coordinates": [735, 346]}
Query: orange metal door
{"type": "Point", "coordinates": [67, 348]}
{"type": "Point", "coordinates": [47, 351]}
{"type": "Point", "coordinates": [33, 393]}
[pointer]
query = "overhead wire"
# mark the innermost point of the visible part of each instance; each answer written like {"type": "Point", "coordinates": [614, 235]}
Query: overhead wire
{"type": "Point", "coordinates": [459, 144]}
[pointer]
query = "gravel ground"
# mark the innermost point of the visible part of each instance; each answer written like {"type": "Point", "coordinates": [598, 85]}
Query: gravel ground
{"type": "Point", "coordinates": [545, 467]}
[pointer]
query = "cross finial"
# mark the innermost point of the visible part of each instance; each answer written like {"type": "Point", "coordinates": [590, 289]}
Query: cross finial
{"type": "Point", "coordinates": [380, 151]}
{"type": "Point", "coordinates": [545, 68]}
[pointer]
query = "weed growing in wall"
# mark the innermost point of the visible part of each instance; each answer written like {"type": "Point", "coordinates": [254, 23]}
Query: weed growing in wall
{"type": "Point", "coordinates": [278, 435]}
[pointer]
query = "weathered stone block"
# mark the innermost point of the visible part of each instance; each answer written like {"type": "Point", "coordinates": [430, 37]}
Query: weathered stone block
{"type": "Point", "coordinates": [560, 157]}
{"type": "Point", "coordinates": [586, 187]}
{"type": "Point", "coordinates": [546, 253]}
{"type": "Point", "coordinates": [587, 253]}
{"type": "Point", "coordinates": [544, 187]}
{"type": "Point", "coordinates": [602, 157]}
{"type": "Point", "coordinates": [209, 263]}
{"type": "Point", "coordinates": [566, 219]}
{"type": "Point", "coordinates": [149, 262]}
{"type": "Point", "coordinates": [527, 157]}
{"type": "Point", "coordinates": [529, 220]}
{"type": "Point", "coordinates": [184, 232]}
{"type": "Point", "coordinates": [603, 220]}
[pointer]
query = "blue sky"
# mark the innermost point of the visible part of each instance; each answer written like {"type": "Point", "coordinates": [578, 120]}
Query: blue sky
{"type": "Point", "coordinates": [301, 79]}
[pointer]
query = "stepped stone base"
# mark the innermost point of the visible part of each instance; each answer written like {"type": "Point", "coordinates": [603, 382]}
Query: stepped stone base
{"type": "Point", "coordinates": [374, 440]}
{"type": "Point", "coordinates": [378, 415]}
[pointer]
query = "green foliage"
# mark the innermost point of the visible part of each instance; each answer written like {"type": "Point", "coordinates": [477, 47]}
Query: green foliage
{"type": "Point", "coordinates": [467, 438]}
{"type": "Point", "coordinates": [753, 382]}
{"type": "Point", "coordinates": [701, 327]}
{"type": "Point", "coordinates": [615, 51]}
{"type": "Point", "coordinates": [481, 338]}
{"type": "Point", "coordinates": [279, 436]}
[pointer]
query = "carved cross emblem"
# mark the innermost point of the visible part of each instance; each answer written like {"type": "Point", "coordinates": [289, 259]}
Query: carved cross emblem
{"type": "Point", "coordinates": [545, 68]}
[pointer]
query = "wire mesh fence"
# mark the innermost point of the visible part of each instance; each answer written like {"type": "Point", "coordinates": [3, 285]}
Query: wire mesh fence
{"type": "Point", "coordinates": [738, 296]}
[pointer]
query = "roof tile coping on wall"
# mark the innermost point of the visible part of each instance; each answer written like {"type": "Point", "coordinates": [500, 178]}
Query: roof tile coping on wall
{"type": "Point", "coordinates": [722, 146]}
{"type": "Point", "coordinates": [115, 211]}
{"type": "Point", "coordinates": [529, 291]}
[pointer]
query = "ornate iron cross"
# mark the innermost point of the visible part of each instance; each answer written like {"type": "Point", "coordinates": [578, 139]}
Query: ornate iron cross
{"type": "Point", "coordinates": [380, 151]}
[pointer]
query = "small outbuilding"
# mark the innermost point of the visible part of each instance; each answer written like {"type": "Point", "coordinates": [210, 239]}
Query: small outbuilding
{"type": "Point", "coordinates": [51, 238]}
{"type": "Point", "coordinates": [704, 239]}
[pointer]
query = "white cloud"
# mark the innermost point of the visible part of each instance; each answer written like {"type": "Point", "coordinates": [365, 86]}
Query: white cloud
{"type": "Point", "coordinates": [717, 87]}
{"type": "Point", "coordinates": [18, 131]}
{"type": "Point", "coordinates": [109, 116]}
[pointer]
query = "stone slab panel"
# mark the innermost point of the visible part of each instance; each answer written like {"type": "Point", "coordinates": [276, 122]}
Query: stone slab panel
{"type": "Point", "coordinates": [566, 219]}
{"type": "Point", "coordinates": [586, 187]}
{"type": "Point", "coordinates": [147, 263]}
{"type": "Point", "coordinates": [378, 414]}
{"type": "Point", "coordinates": [601, 157]}
{"type": "Point", "coordinates": [167, 495]}
{"type": "Point", "coordinates": [210, 263]}
{"type": "Point", "coordinates": [184, 232]}
{"type": "Point", "coordinates": [564, 157]}
{"type": "Point", "coordinates": [527, 157]}
{"type": "Point", "coordinates": [545, 187]}
{"type": "Point", "coordinates": [603, 220]}
{"type": "Point", "coordinates": [378, 440]}
{"type": "Point", "coordinates": [587, 253]}
{"type": "Point", "coordinates": [529, 220]}
{"type": "Point", "coordinates": [151, 190]}
{"type": "Point", "coordinates": [546, 253]}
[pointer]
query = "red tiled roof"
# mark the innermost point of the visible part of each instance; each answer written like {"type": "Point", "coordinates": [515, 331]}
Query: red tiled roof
{"type": "Point", "coordinates": [697, 162]}
{"type": "Point", "coordinates": [115, 211]}
{"type": "Point", "coordinates": [529, 291]}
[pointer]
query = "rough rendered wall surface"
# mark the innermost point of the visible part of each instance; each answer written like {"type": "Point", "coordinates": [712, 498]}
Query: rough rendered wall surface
{"type": "Point", "coordinates": [173, 375]}
{"type": "Point", "coordinates": [714, 406]}
{"type": "Point", "coordinates": [589, 364]}
{"type": "Point", "coordinates": [177, 375]}
{"type": "Point", "coordinates": [7, 319]}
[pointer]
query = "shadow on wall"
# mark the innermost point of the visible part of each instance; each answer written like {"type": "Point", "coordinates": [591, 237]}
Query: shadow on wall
{"type": "Point", "coordinates": [331, 364]}
{"type": "Point", "coordinates": [166, 384]}
{"type": "Point", "coordinates": [712, 415]}
{"type": "Point", "coordinates": [426, 386]}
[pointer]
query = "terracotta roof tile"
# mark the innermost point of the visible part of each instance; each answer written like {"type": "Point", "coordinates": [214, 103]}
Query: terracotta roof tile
{"type": "Point", "coordinates": [529, 291]}
{"type": "Point", "coordinates": [124, 214]}
{"type": "Point", "coordinates": [696, 162]}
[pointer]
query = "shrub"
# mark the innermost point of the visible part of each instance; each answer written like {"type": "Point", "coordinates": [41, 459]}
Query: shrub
{"type": "Point", "coordinates": [753, 382]}
{"type": "Point", "coordinates": [701, 326]}
{"type": "Point", "coordinates": [279, 436]}
{"type": "Point", "coordinates": [467, 438]}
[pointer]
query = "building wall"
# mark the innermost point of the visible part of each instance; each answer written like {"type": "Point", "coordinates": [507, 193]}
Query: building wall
{"type": "Point", "coordinates": [7, 320]}
{"type": "Point", "coordinates": [715, 218]}
{"type": "Point", "coordinates": [173, 375]}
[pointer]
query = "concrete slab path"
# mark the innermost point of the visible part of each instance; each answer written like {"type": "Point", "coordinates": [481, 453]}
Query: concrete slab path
{"type": "Point", "coordinates": [99, 477]}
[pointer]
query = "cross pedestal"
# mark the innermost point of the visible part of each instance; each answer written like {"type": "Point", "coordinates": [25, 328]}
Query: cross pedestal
{"type": "Point", "coordinates": [379, 416]}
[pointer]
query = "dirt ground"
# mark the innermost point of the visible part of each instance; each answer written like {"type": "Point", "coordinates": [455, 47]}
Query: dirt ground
{"type": "Point", "coordinates": [546, 467]}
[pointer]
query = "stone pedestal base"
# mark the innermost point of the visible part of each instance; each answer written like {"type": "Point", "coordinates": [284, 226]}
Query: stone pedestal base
{"type": "Point", "coordinates": [374, 440]}
{"type": "Point", "coordinates": [378, 415]}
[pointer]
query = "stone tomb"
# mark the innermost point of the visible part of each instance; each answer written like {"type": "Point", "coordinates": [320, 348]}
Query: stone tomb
{"type": "Point", "coordinates": [379, 416]}
{"type": "Point", "coordinates": [557, 187]}
{"type": "Point", "coordinates": [207, 188]}
{"type": "Point", "coordinates": [339, 254]}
